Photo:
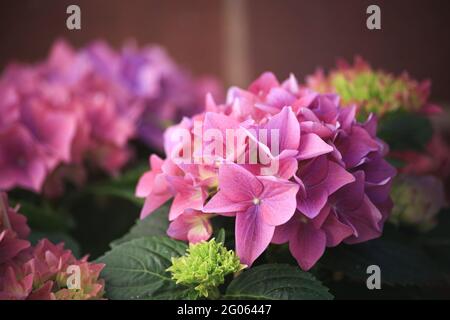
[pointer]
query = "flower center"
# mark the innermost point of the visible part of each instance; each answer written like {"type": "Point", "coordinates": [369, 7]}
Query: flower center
{"type": "Point", "coordinates": [256, 201]}
{"type": "Point", "coordinates": [217, 162]}
{"type": "Point", "coordinates": [303, 219]}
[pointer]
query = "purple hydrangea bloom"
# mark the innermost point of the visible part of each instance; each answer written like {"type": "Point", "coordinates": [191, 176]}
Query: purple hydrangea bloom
{"type": "Point", "coordinates": [318, 177]}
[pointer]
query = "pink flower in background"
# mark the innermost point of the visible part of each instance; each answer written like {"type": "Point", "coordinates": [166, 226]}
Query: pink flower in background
{"type": "Point", "coordinates": [21, 161]}
{"type": "Point", "coordinates": [146, 80]}
{"type": "Point", "coordinates": [80, 109]}
{"type": "Point", "coordinates": [39, 272]}
{"type": "Point", "coordinates": [434, 160]}
{"type": "Point", "coordinates": [302, 170]}
{"type": "Point", "coordinates": [13, 231]}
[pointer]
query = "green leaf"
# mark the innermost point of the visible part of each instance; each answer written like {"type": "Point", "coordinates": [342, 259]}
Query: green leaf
{"type": "Point", "coordinates": [277, 282]}
{"type": "Point", "coordinates": [155, 224]}
{"type": "Point", "coordinates": [437, 241]}
{"type": "Point", "coordinates": [405, 130]}
{"type": "Point", "coordinates": [122, 186]}
{"type": "Point", "coordinates": [44, 217]}
{"type": "Point", "coordinates": [399, 264]}
{"type": "Point", "coordinates": [137, 269]}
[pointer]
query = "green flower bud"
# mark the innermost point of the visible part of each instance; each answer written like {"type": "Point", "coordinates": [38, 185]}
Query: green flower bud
{"type": "Point", "coordinates": [204, 268]}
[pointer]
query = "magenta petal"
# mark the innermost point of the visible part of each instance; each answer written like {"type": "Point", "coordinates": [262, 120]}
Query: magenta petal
{"type": "Point", "coordinates": [347, 117]}
{"type": "Point", "coordinates": [21, 162]}
{"type": "Point", "coordinates": [190, 199]}
{"type": "Point", "coordinates": [335, 230]}
{"type": "Point", "coordinates": [337, 177]}
{"type": "Point", "coordinates": [278, 200]}
{"type": "Point", "coordinates": [378, 171]}
{"type": "Point", "coordinates": [365, 220]}
{"type": "Point", "coordinates": [350, 196]}
{"type": "Point", "coordinates": [307, 245]}
{"type": "Point", "coordinates": [10, 246]}
{"type": "Point", "coordinates": [289, 129]}
{"type": "Point", "coordinates": [311, 145]}
{"type": "Point", "coordinates": [319, 220]}
{"type": "Point", "coordinates": [316, 127]}
{"type": "Point", "coordinates": [54, 129]}
{"type": "Point", "coordinates": [152, 202]}
{"type": "Point", "coordinates": [279, 98]}
{"type": "Point", "coordinates": [287, 167]}
{"type": "Point", "coordinates": [252, 235]}
{"type": "Point", "coordinates": [282, 233]}
{"type": "Point", "coordinates": [314, 202]}
{"type": "Point", "coordinates": [264, 83]}
{"type": "Point", "coordinates": [221, 204]}
{"type": "Point", "coordinates": [371, 125]}
{"type": "Point", "coordinates": [237, 183]}
{"type": "Point", "coordinates": [145, 184]}
{"type": "Point", "coordinates": [220, 122]}
{"type": "Point", "coordinates": [356, 146]}
{"type": "Point", "coordinates": [191, 226]}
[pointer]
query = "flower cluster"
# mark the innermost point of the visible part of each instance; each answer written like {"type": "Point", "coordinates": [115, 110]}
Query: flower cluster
{"type": "Point", "coordinates": [82, 107]}
{"type": "Point", "coordinates": [204, 268]}
{"type": "Point", "coordinates": [418, 200]}
{"type": "Point", "coordinates": [373, 91]}
{"type": "Point", "coordinates": [43, 271]}
{"type": "Point", "coordinates": [318, 177]}
{"type": "Point", "coordinates": [434, 160]}
{"type": "Point", "coordinates": [382, 93]}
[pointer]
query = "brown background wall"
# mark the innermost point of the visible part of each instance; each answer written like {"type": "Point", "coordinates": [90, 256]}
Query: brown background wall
{"type": "Point", "coordinates": [284, 35]}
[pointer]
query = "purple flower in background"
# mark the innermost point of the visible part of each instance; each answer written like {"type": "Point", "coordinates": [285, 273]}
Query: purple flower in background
{"type": "Point", "coordinates": [167, 91]}
{"type": "Point", "coordinates": [83, 107]}
{"type": "Point", "coordinates": [21, 161]}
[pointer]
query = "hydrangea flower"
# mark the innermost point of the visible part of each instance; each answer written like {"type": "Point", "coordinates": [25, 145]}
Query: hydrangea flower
{"type": "Point", "coordinates": [434, 160]}
{"type": "Point", "coordinates": [373, 90]}
{"type": "Point", "coordinates": [259, 203]}
{"type": "Point", "coordinates": [204, 267]}
{"type": "Point", "coordinates": [40, 272]}
{"type": "Point", "coordinates": [318, 176]}
{"type": "Point", "coordinates": [417, 201]}
{"type": "Point", "coordinates": [13, 231]}
{"type": "Point", "coordinates": [382, 93]}
{"type": "Point", "coordinates": [80, 109]}
{"type": "Point", "coordinates": [192, 226]}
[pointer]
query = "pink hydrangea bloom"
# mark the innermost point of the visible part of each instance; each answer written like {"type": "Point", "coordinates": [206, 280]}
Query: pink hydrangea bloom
{"type": "Point", "coordinates": [83, 107]}
{"type": "Point", "coordinates": [318, 176]}
{"type": "Point", "coordinates": [40, 272]}
{"type": "Point", "coordinates": [193, 226]}
{"type": "Point", "coordinates": [13, 231]}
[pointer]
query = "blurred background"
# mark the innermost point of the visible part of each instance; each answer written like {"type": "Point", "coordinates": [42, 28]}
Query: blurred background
{"type": "Point", "coordinates": [238, 39]}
